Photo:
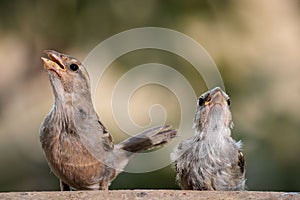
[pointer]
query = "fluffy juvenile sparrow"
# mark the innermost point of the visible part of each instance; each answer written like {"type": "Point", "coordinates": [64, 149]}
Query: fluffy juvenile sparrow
{"type": "Point", "coordinates": [211, 159]}
{"type": "Point", "coordinates": [78, 148]}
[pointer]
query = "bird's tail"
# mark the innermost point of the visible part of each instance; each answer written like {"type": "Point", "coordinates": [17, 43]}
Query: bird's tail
{"type": "Point", "coordinates": [149, 139]}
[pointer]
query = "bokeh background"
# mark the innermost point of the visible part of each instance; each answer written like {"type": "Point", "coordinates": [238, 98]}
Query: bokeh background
{"type": "Point", "coordinates": [255, 45]}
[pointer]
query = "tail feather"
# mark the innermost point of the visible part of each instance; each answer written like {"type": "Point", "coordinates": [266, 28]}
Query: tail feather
{"type": "Point", "coordinates": [149, 139]}
{"type": "Point", "coordinates": [146, 140]}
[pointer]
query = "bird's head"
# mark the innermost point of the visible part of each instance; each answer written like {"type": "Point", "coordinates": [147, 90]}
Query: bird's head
{"type": "Point", "coordinates": [67, 75]}
{"type": "Point", "coordinates": [213, 110]}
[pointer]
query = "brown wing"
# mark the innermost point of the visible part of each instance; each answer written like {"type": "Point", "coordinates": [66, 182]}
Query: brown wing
{"type": "Point", "coordinates": [241, 162]}
{"type": "Point", "coordinates": [108, 143]}
{"type": "Point", "coordinates": [94, 136]}
{"type": "Point", "coordinates": [182, 179]}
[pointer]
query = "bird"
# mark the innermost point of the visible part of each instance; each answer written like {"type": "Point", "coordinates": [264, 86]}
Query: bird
{"type": "Point", "coordinates": [78, 148]}
{"type": "Point", "coordinates": [211, 159]}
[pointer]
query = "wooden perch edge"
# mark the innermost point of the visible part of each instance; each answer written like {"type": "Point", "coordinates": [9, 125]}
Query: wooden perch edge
{"type": "Point", "coordinates": [150, 195]}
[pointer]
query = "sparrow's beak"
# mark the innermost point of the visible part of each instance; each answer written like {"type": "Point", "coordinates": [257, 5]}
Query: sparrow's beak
{"type": "Point", "coordinates": [217, 97]}
{"type": "Point", "coordinates": [54, 62]}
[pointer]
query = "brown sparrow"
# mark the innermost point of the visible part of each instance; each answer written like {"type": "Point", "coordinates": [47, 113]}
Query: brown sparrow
{"type": "Point", "coordinates": [79, 149]}
{"type": "Point", "coordinates": [211, 159]}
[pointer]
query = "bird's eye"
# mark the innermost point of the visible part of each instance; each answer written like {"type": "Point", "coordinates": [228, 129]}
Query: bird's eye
{"type": "Point", "coordinates": [228, 102]}
{"type": "Point", "coordinates": [74, 67]}
{"type": "Point", "coordinates": [201, 101]}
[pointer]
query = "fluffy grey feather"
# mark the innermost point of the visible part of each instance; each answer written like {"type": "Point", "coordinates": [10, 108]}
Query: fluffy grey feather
{"type": "Point", "coordinates": [211, 159]}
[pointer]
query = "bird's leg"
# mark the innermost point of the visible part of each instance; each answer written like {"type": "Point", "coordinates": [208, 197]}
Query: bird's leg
{"type": "Point", "coordinates": [64, 186]}
{"type": "Point", "coordinates": [104, 186]}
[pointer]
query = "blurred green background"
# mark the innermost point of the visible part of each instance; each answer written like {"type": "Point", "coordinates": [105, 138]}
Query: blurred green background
{"type": "Point", "coordinates": [255, 45]}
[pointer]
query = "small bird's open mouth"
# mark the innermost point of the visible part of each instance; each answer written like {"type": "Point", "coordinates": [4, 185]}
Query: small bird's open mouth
{"type": "Point", "coordinates": [54, 62]}
{"type": "Point", "coordinates": [55, 57]}
{"type": "Point", "coordinates": [54, 72]}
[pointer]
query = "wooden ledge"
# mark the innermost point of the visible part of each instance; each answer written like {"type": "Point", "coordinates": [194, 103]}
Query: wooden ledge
{"type": "Point", "coordinates": [150, 195]}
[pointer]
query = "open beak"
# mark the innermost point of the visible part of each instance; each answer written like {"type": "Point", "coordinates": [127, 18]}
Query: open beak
{"type": "Point", "coordinates": [54, 62]}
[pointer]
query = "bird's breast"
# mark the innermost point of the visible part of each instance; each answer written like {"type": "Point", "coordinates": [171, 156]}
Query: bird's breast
{"type": "Point", "coordinates": [70, 160]}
